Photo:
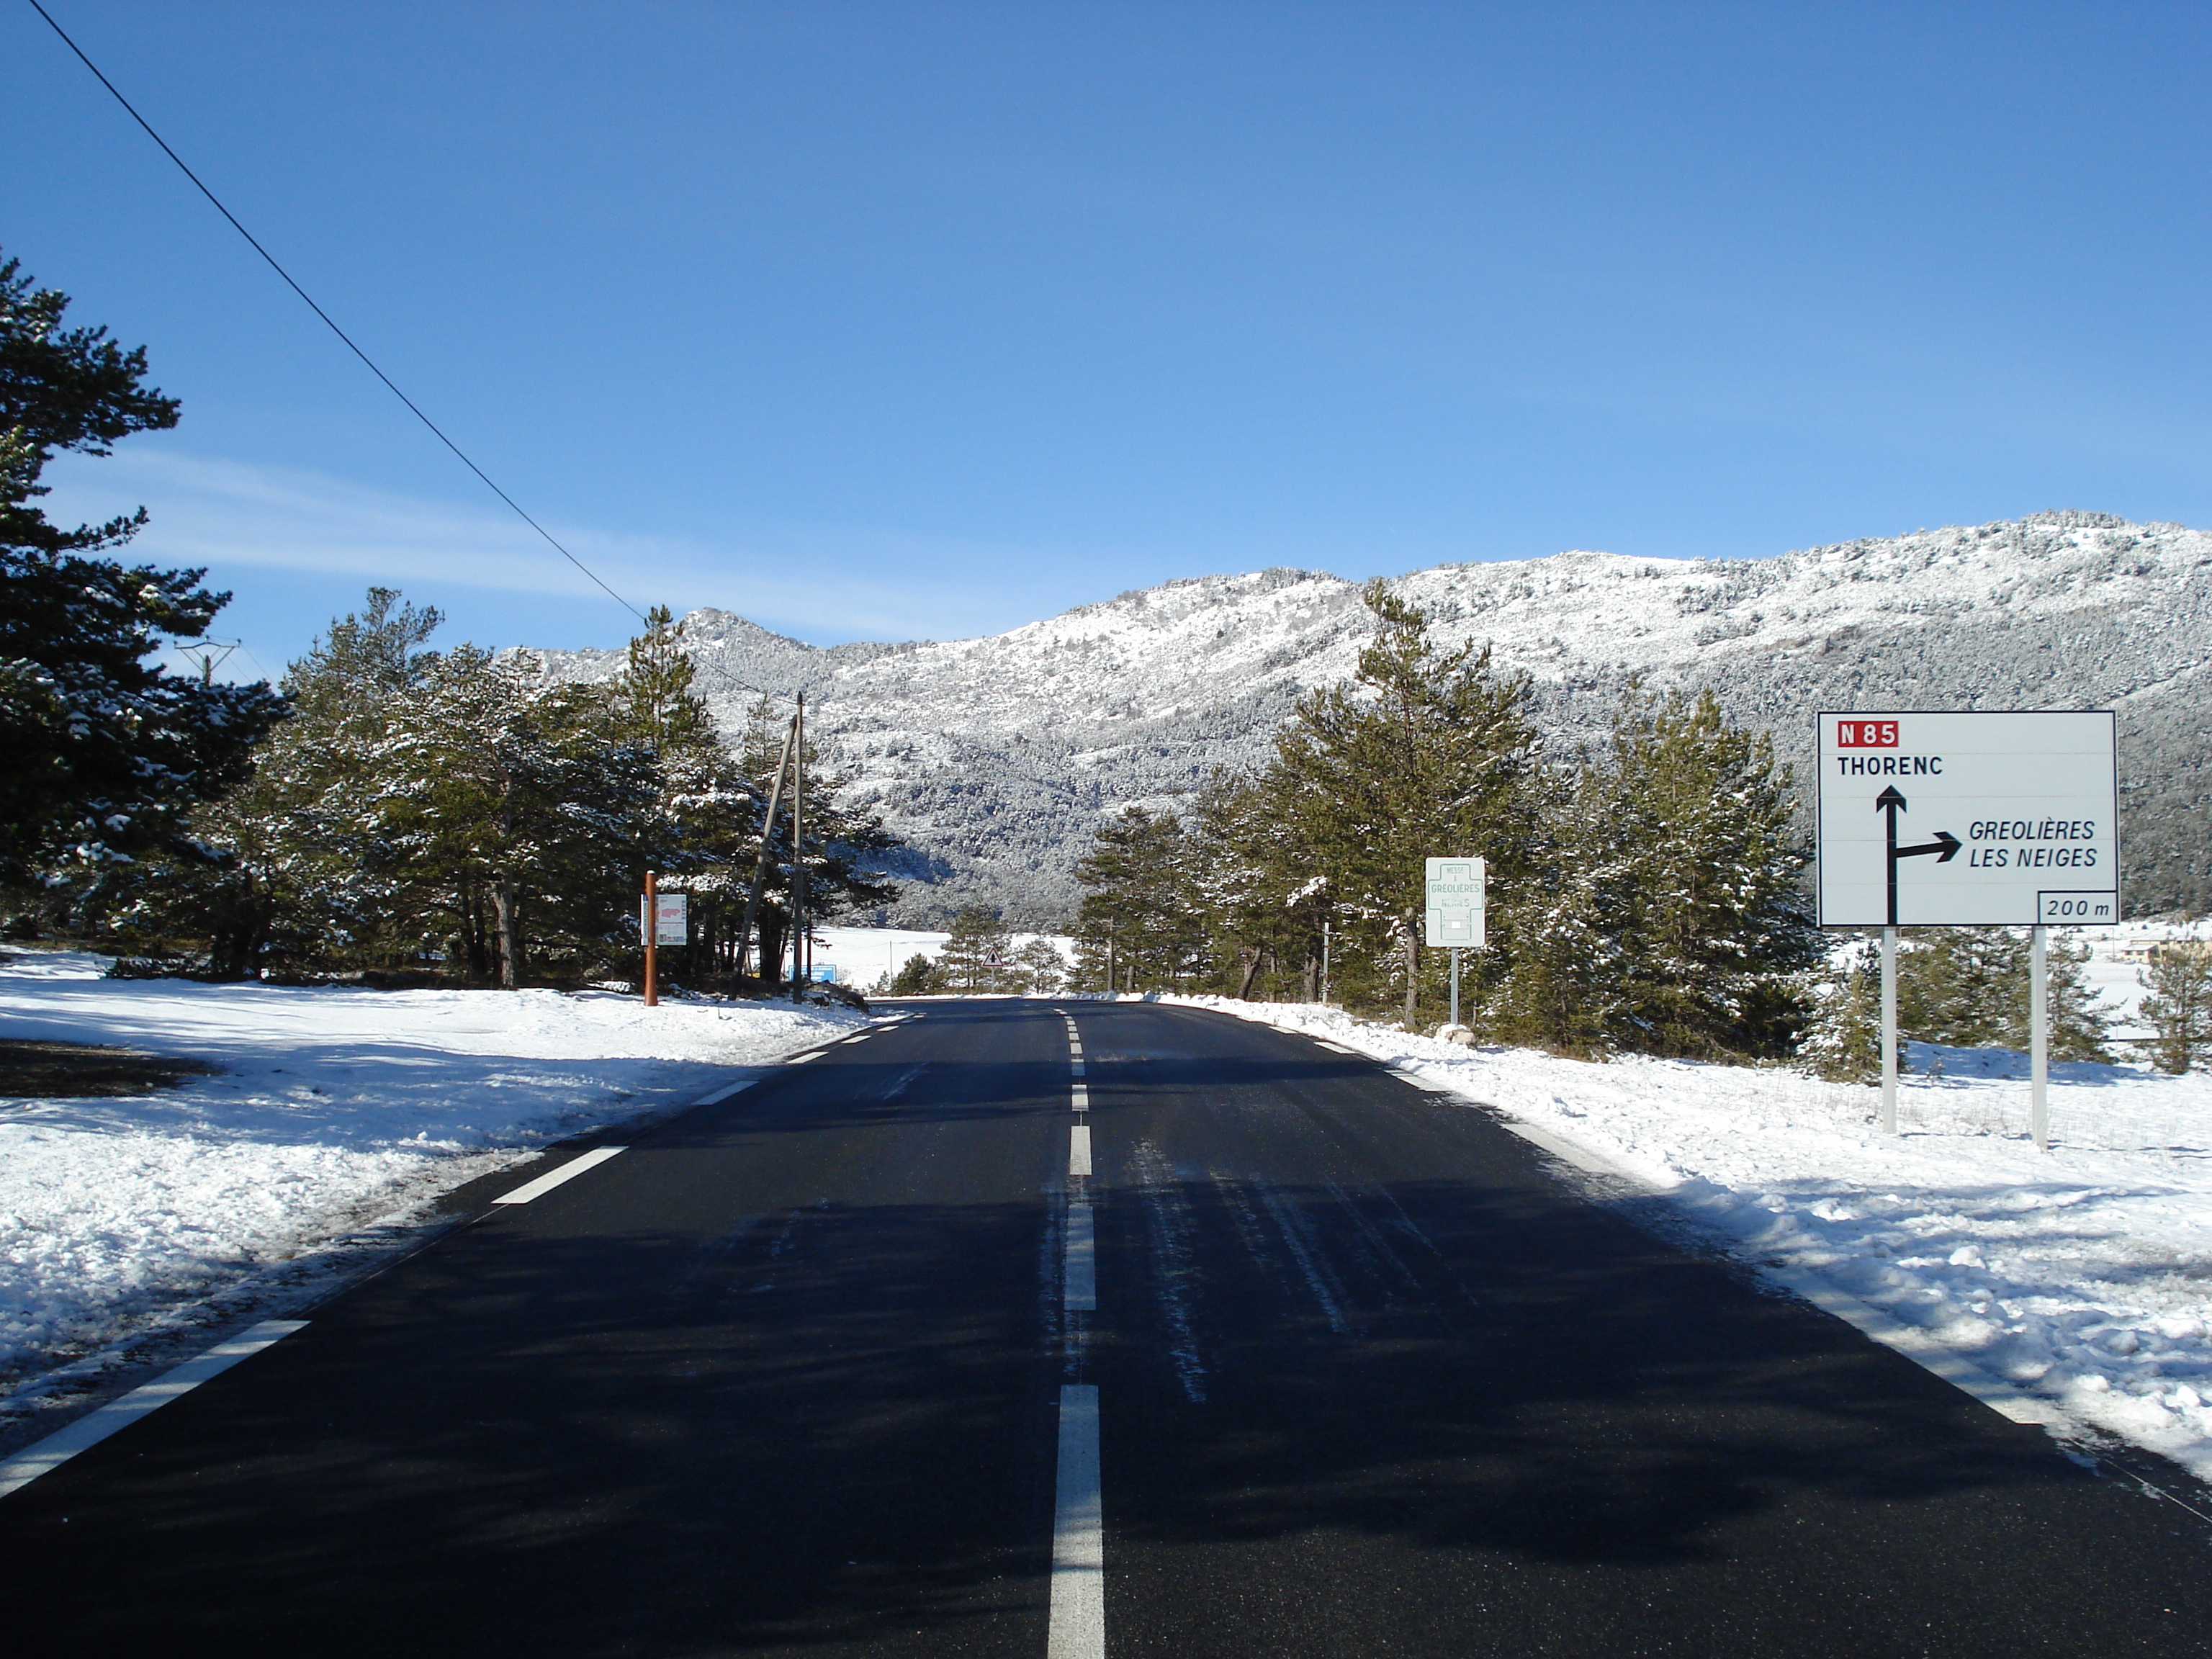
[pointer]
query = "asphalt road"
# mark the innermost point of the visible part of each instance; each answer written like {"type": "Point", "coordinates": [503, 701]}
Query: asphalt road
{"type": "Point", "coordinates": [787, 1376]}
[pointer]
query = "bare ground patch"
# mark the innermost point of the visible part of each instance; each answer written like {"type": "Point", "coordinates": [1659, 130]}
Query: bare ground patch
{"type": "Point", "coordinates": [31, 1068]}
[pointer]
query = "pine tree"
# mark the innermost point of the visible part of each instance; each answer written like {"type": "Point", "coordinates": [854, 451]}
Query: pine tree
{"type": "Point", "coordinates": [1427, 752]}
{"type": "Point", "coordinates": [707, 811]}
{"type": "Point", "coordinates": [1139, 922]}
{"type": "Point", "coordinates": [2178, 1009]}
{"type": "Point", "coordinates": [1260, 904]}
{"type": "Point", "coordinates": [269, 875]}
{"type": "Point", "coordinates": [2079, 1026]}
{"type": "Point", "coordinates": [522, 790]}
{"type": "Point", "coordinates": [1968, 988]}
{"type": "Point", "coordinates": [1041, 968]}
{"type": "Point", "coordinates": [654, 704]}
{"type": "Point", "coordinates": [1842, 1040]}
{"type": "Point", "coordinates": [1712, 924]}
{"type": "Point", "coordinates": [978, 956]}
{"type": "Point", "coordinates": [918, 977]}
{"type": "Point", "coordinates": [105, 751]}
{"type": "Point", "coordinates": [1565, 987]}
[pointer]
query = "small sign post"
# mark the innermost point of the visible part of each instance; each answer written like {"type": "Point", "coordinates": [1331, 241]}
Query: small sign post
{"type": "Point", "coordinates": [2021, 813]}
{"type": "Point", "coordinates": [1456, 902]}
{"type": "Point", "coordinates": [662, 919]}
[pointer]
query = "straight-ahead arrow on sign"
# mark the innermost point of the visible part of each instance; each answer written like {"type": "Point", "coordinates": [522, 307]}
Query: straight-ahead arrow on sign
{"type": "Point", "coordinates": [1945, 846]}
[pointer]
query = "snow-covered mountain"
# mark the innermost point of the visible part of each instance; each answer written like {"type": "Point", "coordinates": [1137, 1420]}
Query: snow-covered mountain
{"type": "Point", "coordinates": [995, 758]}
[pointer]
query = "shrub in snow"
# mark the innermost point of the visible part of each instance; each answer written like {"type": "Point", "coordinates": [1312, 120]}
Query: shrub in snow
{"type": "Point", "coordinates": [2178, 1009]}
{"type": "Point", "coordinates": [1967, 988]}
{"type": "Point", "coordinates": [920, 977]}
{"type": "Point", "coordinates": [1843, 1041]}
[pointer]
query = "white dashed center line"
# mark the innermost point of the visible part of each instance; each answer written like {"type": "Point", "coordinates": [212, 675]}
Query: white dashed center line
{"type": "Point", "coordinates": [1078, 1628]}
{"type": "Point", "coordinates": [568, 1171]}
{"type": "Point", "coordinates": [1078, 1624]}
{"type": "Point", "coordinates": [57, 1449]}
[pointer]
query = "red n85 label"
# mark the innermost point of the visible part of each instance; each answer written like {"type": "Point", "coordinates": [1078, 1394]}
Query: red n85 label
{"type": "Point", "coordinates": [1866, 734]}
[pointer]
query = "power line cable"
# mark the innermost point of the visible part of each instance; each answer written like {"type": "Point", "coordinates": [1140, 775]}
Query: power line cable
{"type": "Point", "coordinates": [325, 316]}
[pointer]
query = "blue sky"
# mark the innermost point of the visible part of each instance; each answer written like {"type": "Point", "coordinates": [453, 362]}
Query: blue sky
{"type": "Point", "coordinates": [900, 320]}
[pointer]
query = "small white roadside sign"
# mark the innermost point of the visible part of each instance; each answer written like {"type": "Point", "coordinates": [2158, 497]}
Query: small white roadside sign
{"type": "Point", "coordinates": [1999, 819]}
{"type": "Point", "coordinates": [1456, 901]}
{"type": "Point", "coordinates": [671, 918]}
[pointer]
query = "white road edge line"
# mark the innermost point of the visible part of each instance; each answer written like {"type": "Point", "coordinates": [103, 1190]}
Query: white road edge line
{"type": "Point", "coordinates": [57, 1448]}
{"type": "Point", "coordinates": [1078, 1279]}
{"type": "Point", "coordinates": [1078, 1627]}
{"type": "Point", "coordinates": [721, 1095]}
{"type": "Point", "coordinates": [568, 1171]}
{"type": "Point", "coordinates": [1078, 1150]}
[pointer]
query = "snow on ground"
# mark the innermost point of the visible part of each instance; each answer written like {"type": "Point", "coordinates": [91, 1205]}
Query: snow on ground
{"type": "Point", "coordinates": [2082, 1276]}
{"type": "Point", "coordinates": [2117, 956]}
{"type": "Point", "coordinates": [862, 955]}
{"type": "Point", "coordinates": [335, 1108]}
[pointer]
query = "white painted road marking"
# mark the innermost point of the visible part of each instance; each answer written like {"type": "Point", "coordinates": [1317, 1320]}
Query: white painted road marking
{"type": "Point", "coordinates": [1078, 1150]}
{"type": "Point", "coordinates": [546, 1184]}
{"type": "Point", "coordinates": [1082, 1097]}
{"type": "Point", "coordinates": [721, 1095]}
{"type": "Point", "coordinates": [1078, 1280]}
{"type": "Point", "coordinates": [1078, 1629]}
{"type": "Point", "coordinates": [57, 1449]}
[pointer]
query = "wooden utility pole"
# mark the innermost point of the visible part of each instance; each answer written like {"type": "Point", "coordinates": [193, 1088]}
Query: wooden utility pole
{"type": "Point", "coordinates": [767, 839]}
{"type": "Point", "coordinates": [799, 851]}
{"type": "Point", "coordinates": [651, 940]}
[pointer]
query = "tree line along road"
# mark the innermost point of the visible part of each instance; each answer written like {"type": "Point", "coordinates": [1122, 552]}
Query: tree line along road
{"type": "Point", "coordinates": [1020, 1327]}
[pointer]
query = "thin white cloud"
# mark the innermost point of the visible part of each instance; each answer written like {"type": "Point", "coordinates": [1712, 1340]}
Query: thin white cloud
{"type": "Point", "coordinates": [229, 514]}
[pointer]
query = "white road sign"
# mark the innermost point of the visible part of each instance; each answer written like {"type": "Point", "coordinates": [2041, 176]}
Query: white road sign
{"type": "Point", "coordinates": [1968, 820]}
{"type": "Point", "coordinates": [1456, 901]}
{"type": "Point", "coordinates": [671, 919]}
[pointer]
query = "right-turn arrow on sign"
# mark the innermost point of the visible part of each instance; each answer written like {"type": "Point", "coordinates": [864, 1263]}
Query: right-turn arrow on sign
{"type": "Point", "coordinates": [2019, 812]}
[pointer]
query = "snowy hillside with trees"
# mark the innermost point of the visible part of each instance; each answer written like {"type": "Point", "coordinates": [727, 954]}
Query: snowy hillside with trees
{"type": "Point", "coordinates": [996, 758]}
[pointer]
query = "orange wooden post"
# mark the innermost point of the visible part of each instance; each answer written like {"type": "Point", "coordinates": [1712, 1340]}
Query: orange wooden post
{"type": "Point", "coordinates": [651, 940]}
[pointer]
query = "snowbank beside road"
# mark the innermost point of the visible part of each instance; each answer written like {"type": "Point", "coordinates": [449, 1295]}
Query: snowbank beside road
{"type": "Point", "coordinates": [334, 1109]}
{"type": "Point", "coordinates": [2082, 1276]}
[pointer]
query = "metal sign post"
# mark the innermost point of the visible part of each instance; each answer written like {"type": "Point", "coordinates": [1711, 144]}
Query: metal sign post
{"type": "Point", "coordinates": [1889, 1031]}
{"type": "Point", "coordinates": [1457, 903]}
{"type": "Point", "coordinates": [2021, 816]}
{"type": "Point", "coordinates": [2039, 1041]}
